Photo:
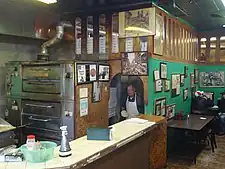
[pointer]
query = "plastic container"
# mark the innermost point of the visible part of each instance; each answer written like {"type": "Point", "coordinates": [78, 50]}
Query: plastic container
{"type": "Point", "coordinates": [45, 153]}
{"type": "Point", "coordinates": [30, 142]}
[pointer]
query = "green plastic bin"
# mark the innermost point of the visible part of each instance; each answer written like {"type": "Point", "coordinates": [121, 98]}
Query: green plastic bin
{"type": "Point", "coordinates": [38, 156]}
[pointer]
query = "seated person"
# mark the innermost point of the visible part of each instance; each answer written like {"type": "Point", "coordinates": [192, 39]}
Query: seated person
{"type": "Point", "coordinates": [221, 103]}
{"type": "Point", "coordinates": [201, 103]}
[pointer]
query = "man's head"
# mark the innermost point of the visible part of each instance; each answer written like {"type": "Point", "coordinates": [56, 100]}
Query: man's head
{"type": "Point", "coordinates": [223, 95]}
{"type": "Point", "coordinates": [130, 90]}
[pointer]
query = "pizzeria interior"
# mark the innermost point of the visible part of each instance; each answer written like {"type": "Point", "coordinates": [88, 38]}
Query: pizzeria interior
{"type": "Point", "coordinates": [129, 84]}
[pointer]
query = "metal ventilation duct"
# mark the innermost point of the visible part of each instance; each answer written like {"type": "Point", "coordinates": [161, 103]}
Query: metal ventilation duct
{"type": "Point", "coordinates": [44, 55]}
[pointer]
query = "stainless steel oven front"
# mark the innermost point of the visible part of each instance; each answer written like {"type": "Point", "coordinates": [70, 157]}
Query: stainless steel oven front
{"type": "Point", "coordinates": [44, 118]}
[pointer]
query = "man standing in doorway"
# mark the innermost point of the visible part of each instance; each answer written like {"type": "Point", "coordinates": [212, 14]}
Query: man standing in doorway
{"type": "Point", "coordinates": [133, 103]}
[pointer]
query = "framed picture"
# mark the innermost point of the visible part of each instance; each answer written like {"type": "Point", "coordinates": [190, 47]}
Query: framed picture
{"type": "Point", "coordinates": [196, 75]}
{"type": "Point", "coordinates": [193, 90]}
{"type": "Point", "coordinates": [163, 70]}
{"type": "Point", "coordinates": [185, 94]}
{"type": "Point", "coordinates": [175, 78]}
{"type": "Point", "coordinates": [158, 38]}
{"type": "Point", "coordinates": [209, 95]}
{"type": "Point", "coordinates": [156, 75]}
{"type": "Point", "coordinates": [103, 72]}
{"type": "Point", "coordinates": [211, 79]}
{"type": "Point", "coordinates": [182, 79]}
{"type": "Point", "coordinates": [134, 63]}
{"type": "Point", "coordinates": [158, 85]}
{"type": "Point", "coordinates": [81, 73]}
{"type": "Point", "coordinates": [143, 43]}
{"type": "Point", "coordinates": [185, 71]}
{"type": "Point", "coordinates": [96, 92]}
{"type": "Point", "coordinates": [192, 80]}
{"type": "Point", "coordinates": [166, 85]}
{"type": "Point", "coordinates": [93, 72]}
{"type": "Point", "coordinates": [160, 107]}
{"type": "Point", "coordinates": [170, 111]}
{"type": "Point", "coordinates": [141, 18]}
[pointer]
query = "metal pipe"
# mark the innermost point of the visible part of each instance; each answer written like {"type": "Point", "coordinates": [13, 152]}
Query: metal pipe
{"type": "Point", "coordinates": [58, 37]}
{"type": "Point", "coordinates": [177, 7]}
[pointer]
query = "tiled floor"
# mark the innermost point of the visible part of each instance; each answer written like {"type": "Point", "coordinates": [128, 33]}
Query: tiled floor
{"type": "Point", "coordinates": [206, 160]}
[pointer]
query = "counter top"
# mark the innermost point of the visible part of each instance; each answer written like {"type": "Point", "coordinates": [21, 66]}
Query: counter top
{"type": "Point", "coordinates": [85, 151]}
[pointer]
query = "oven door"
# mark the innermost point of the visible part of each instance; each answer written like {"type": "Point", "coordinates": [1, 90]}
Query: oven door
{"type": "Point", "coordinates": [41, 86]}
{"type": "Point", "coordinates": [41, 122]}
{"type": "Point", "coordinates": [41, 108]}
{"type": "Point", "coordinates": [41, 134]}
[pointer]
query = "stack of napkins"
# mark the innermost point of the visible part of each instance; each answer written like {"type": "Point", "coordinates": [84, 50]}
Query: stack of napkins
{"type": "Point", "coordinates": [138, 121]}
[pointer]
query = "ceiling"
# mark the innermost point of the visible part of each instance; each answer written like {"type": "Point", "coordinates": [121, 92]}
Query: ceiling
{"type": "Point", "coordinates": [197, 12]}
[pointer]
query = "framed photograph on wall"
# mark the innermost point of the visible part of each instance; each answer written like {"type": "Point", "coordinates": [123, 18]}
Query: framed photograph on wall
{"type": "Point", "coordinates": [81, 72]}
{"type": "Point", "coordinates": [158, 85]}
{"type": "Point", "coordinates": [156, 75]}
{"type": "Point", "coordinates": [209, 95]}
{"type": "Point", "coordinates": [211, 79]}
{"type": "Point", "coordinates": [193, 90]}
{"type": "Point", "coordinates": [158, 38]}
{"type": "Point", "coordinates": [103, 72]}
{"type": "Point", "coordinates": [181, 79]}
{"type": "Point", "coordinates": [192, 80]}
{"type": "Point", "coordinates": [196, 75]}
{"type": "Point", "coordinates": [93, 72]}
{"type": "Point", "coordinates": [160, 107]}
{"type": "Point", "coordinates": [134, 63]}
{"type": "Point", "coordinates": [166, 85]}
{"type": "Point", "coordinates": [185, 94]}
{"type": "Point", "coordinates": [175, 78]}
{"type": "Point", "coordinates": [140, 18]}
{"type": "Point", "coordinates": [170, 111]}
{"type": "Point", "coordinates": [163, 70]}
{"type": "Point", "coordinates": [185, 71]}
{"type": "Point", "coordinates": [96, 92]}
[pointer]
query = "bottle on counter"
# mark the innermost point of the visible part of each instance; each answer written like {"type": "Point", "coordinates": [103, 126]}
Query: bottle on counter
{"type": "Point", "coordinates": [30, 142]}
{"type": "Point", "coordinates": [65, 149]}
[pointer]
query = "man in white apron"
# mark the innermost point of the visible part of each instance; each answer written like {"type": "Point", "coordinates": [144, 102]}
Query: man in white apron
{"type": "Point", "coordinates": [134, 104]}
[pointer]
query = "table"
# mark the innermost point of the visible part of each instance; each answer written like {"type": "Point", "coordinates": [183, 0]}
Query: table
{"type": "Point", "coordinates": [195, 123]}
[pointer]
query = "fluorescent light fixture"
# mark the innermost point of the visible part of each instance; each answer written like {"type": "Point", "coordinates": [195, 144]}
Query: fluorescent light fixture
{"type": "Point", "coordinates": [48, 1]}
{"type": "Point", "coordinates": [213, 39]}
{"type": "Point", "coordinates": [223, 26]}
{"type": "Point", "coordinates": [222, 38]}
{"type": "Point", "coordinates": [223, 1]}
{"type": "Point", "coordinates": [203, 39]}
{"type": "Point", "coordinates": [132, 28]}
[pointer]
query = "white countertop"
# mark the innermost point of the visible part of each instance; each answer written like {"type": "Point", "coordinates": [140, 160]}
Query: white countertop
{"type": "Point", "coordinates": [85, 151]}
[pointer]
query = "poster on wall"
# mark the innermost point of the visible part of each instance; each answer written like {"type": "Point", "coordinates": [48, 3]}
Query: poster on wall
{"type": "Point", "coordinates": [93, 72]}
{"type": "Point", "coordinates": [211, 79]}
{"type": "Point", "coordinates": [129, 45]}
{"type": "Point", "coordinates": [158, 85]}
{"type": "Point", "coordinates": [175, 78]}
{"type": "Point", "coordinates": [103, 72]}
{"type": "Point", "coordinates": [140, 22]}
{"type": "Point", "coordinates": [160, 107]}
{"type": "Point", "coordinates": [81, 73]}
{"type": "Point", "coordinates": [158, 38]}
{"type": "Point", "coordinates": [134, 63]}
{"type": "Point", "coordinates": [83, 107]}
{"type": "Point", "coordinates": [115, 43]}
{"type": "Point", "coordinates": [163, 70]}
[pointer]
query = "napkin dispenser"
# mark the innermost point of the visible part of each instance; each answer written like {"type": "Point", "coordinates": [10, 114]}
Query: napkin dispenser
{"type": "Point", "coordinates": [101, 134]}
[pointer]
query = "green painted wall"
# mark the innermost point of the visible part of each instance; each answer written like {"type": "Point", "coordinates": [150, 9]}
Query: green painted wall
{"type": "Point", "coordinates": [213, 68]}
{"type": "Point", "coordinates": [173, 67]}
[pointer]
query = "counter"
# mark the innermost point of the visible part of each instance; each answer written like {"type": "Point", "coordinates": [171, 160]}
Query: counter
{"type": "Point", "coordinates": [130, 149]}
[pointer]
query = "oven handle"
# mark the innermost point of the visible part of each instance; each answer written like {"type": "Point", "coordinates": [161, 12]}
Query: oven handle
{"type": "Point", "coordinates": [34, 105]}
{"type": "Point", "coordinates": [41, 83]}
{"type": "Point", "coordinates": [41, 120]}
